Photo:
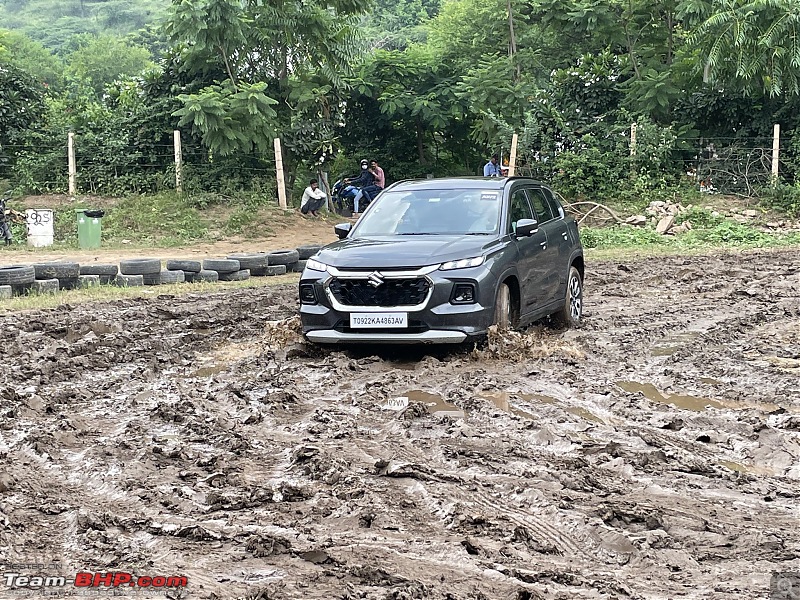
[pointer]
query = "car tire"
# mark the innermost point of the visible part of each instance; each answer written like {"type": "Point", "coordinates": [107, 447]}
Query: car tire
{"type": "Point", "coordinates": [221, 265]}
{"type": "Point", "coordinates": [57, 270]}
{"type": "Point", "coordinates": [201, 277]}
{"type": "Point", "coordinates": [241, 275]}
{"type": "Point", "coordinates": [308, 250]}
{"type": "Point", "coordinates": [167, 277]}
{"type": "Point", "coordinates": [17, 275]}
{"type": "Point", "coordinates": [194, 266]}
{"type": "Point", "coordinates": [503, 316]}
{"type": "Point", "coordinates": [570, 314]}
{"type": "Point", "coordinates": [140, 266]}
{"type": "Point", "coordinates": [250, 261]}
{"type": "Point", "coordinates": [283, 257]}
{"type": "Point", "coordinates": [99, 269]}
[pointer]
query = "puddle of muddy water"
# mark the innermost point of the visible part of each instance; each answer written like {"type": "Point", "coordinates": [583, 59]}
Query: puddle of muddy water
{"type": "Point", "coordinates": [208, 371]}
{"type": "Point", "coordinates": [687, 402]}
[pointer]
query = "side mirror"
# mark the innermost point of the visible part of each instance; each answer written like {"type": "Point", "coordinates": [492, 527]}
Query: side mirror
{"type": "Point", "coordinates": [527, 227]}
{"type": "Point", "coordinates": [342, 229]}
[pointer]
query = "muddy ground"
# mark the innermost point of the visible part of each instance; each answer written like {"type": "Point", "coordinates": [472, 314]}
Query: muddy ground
{"type": "Point", "coordinates": [651, 454]}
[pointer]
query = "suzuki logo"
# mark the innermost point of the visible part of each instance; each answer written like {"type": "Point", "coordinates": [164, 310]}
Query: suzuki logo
{"type": "Point", "coordinates": [375, 279]}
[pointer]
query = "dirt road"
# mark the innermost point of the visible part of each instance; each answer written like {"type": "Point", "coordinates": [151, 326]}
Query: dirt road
{"type": "Point", "coordinates": [651, 454]}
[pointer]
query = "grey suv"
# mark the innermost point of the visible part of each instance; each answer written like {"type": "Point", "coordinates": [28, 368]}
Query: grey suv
{"type": "Point", "coordinates": [441, 260]}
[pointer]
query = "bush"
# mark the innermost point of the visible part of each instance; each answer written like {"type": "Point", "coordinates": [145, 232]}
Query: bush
{"type": "Point", "coordinates": [609, 237]}
{"type": "Point", "coordinates": [782, 197]}
{"type": "Point", "coordinates": [699, 217]}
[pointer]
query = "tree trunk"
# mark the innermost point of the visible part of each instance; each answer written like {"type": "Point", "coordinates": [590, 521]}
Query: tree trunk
{"type": "Point", "coordinates": [420, 145]}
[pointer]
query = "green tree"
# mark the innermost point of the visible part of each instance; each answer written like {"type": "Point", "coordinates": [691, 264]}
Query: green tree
{"type": "Point", "coordinates": [753, 45]}
{"type": "Point", "coordinates": [291, 57]}
{"type": "Point", "coordinates": [33, 58]}
{"type": "Point", "coordinates": [98, 60]}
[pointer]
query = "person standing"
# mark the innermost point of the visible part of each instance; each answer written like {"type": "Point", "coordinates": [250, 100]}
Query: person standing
{"type": "Point", "coordinates": [313, 197]}
{"type": "Point", "coordinates": [492, 168]}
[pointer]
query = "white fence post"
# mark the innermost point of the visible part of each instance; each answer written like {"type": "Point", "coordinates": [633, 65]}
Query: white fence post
{"type": "Point", "coordinates": [279, 174]}
{"type": "Point", "coordinates": [512, 161]}
{"type": "Point", "coordinates": [776, 146]}
{"type": "Point", "coordinates": [633, 139]}
{"type": "Point", "coordinates": [178, 161]}
{"type": "Point", "coordinates": [71, 163]}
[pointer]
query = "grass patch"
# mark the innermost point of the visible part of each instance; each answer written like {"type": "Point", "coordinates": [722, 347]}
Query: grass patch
{"type": "Point", "coordinates": [107, 293]}
{"type": "Point", "coordinates": [165, 219]}
{"type": "Point", "coordinates": [709, 232]}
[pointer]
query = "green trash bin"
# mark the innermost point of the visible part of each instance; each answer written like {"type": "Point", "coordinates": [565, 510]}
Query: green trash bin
{"type": "Point", "coordinates": [89, 227]}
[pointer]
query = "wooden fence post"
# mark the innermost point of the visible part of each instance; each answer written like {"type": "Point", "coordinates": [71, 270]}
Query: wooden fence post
{"type": "Point", "coordinates": [178, 161]}
{"type": "Point", "coordinates": [73, 171]}
{"type": "Point", "coordinates": [279, 174]}
{"type": "Point", "coordinates": [512, 161]}
{"type": "Point", "coordinates": [776, 146]}
{"type": "Point", "coordinates": [633, 139]}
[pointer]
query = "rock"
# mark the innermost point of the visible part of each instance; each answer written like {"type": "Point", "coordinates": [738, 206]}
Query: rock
{"type": "Point", "coordinates": [740, 219]}
{"type": "Point", "coordinates": [665, 224]}
{"type": "Point", "coordinates": [773, 224]}
{"type": "Point", "coordinates": [715, 213]}
{"type": "Point", "coordinates": [678, 229]}
{"type": "Point", "coordinates": [637, 220]}
{"type": "Point", "coordinates": [6, 482]}
{"type": "Point", "coordinates": [750, 213]}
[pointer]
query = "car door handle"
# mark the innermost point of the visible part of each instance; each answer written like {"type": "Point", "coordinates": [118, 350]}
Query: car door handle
{"type": "Point", "coordinates": [543, 244]}
{"type": "Point", "coordinates": [565, 235]}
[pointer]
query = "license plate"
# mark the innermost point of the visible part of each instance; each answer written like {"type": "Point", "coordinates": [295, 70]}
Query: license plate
{"type": "Point", "coordinates": [378, 320]}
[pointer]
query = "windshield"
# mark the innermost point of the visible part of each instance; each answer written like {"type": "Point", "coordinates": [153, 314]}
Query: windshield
{"type": "Point", "coordinates": [432, 212]}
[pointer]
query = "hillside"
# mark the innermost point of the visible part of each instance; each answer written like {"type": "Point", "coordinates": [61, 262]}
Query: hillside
{"type": "Point", "coordinates": [54, 22]}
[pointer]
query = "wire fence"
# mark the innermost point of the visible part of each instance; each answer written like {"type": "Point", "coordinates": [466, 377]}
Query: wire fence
{"type": "Point", "coordinates": [727, 165]}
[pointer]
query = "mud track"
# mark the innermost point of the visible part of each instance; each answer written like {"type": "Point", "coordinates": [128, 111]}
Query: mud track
{"type": "Point", "coordinates": [651, 454]}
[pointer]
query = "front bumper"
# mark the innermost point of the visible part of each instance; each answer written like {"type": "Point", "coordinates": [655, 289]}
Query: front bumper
{"type": "Point", "coordinates": [436, 320]}
{"type": "Point", "coordinates": [432, 336]}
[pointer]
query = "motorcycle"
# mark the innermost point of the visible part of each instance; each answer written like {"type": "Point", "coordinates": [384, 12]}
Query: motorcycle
{"type": "Point", "coordinates": [343, 195]}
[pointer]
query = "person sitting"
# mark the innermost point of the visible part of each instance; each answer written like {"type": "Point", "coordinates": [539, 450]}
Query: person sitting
{"type": "Point", "coordinates": [380, 181]}
{"type": "Point", "coordinates": [313, 198]}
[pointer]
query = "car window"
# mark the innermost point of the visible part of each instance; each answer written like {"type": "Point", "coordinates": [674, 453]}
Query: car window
{"type": "Point", "coordinates": [541, 207]}
{"type": "Point", "coordinates": [432, 212]}
{"type": "Point", "coordinates": [555, 205]}
{"type": "Point", "coordinates": [520, 209]}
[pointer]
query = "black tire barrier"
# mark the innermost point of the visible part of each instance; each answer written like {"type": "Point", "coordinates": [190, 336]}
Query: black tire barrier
{"type": "Point", "coordinates": [17, 275]}
{"type": "Point", "coordinates": [276, 270]}
{"type": "Point", "coordinates": [283, 257]}
{"type": "Point", "coordinates": [220, 265]}
{"type": "Point", "coordinates": [167, 277]}
{"type": "Point", "coordinates": [250, 261]}
{"type": "Point", "coordinates": [308, 250]}
{"type": "Point", "coordinates": [57, 270]}
{"type": "Point", "coordinates": [240, 275]}
{"type": "Point", "coordinates": [98, 269]}
{"type": "Point", "coordinates": [6, 291]}
{"type": "Point", "coordinates": [89, 281]}
{"type": "Point", "coordinates": [70, 283]}
{"type": "Point", "coordinates": [122, 280]}
{"type": "Point", "coordinates": [299, 266]}
{"type": "Point", "coordinates": [193, 266]}
{"type": "Point", "coordinates": [201, 277]}
{"type": "Point", "coordinates": [45, 286]}
{"type": "Point", "coordinates": [140, 266]}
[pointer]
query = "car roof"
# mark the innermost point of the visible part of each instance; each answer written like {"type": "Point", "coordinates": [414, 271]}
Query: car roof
{"type": "Point", "coordinates": [446, 183]}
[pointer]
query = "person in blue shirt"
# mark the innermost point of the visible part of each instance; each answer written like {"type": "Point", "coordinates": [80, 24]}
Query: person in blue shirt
{"type": "Point", "coordinates": [492, 168]}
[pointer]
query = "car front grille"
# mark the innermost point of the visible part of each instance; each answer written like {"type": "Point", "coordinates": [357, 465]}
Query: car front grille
{"type": "Point", "coordinates": [392, 292]}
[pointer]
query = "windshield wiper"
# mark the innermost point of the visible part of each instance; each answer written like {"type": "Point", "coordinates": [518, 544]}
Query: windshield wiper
{"type": "Point", "coordinates": [477, 233]}
{"type": "Point", "coordinates": [421, 233]}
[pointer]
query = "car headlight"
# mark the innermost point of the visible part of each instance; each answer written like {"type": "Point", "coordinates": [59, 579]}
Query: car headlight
{"type": "Point", "coordinates": [315, 265]}
{"type": "Point", "coordinates": [464, 263]}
